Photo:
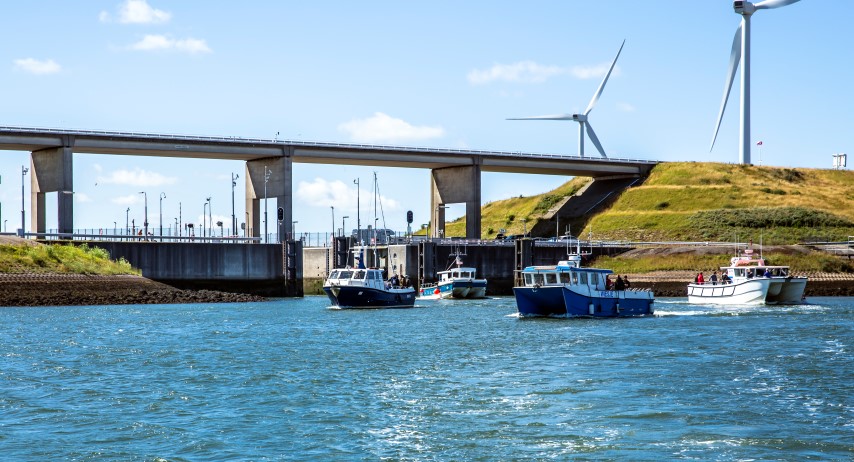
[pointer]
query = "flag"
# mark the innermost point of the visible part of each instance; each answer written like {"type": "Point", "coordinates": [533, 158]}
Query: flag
{"type": "Point", "coordinates": [759, 143]}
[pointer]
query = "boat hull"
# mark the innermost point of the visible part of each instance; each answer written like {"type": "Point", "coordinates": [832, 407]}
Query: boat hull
{"type": "Point", "coordinates": [786, 291]}
{"type": "Point", "coordinates": [750, 292]}
{"type": "Point", "coordinates": [455, 289]}
{"type": "Point", "coordinates": [562, 301]}
{"type": "Point", "coordinates": [366, 297]}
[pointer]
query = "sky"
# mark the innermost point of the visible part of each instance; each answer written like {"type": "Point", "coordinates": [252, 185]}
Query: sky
{"type": "Point", "coordinates": [436, 74]}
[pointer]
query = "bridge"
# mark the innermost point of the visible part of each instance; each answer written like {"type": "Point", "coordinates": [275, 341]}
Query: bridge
{"type": "Point", "coordinates": [455, 178]}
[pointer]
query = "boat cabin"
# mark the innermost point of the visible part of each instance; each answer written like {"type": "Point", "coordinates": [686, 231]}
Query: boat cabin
{"type": "Point", "coordinates": [369, 277]}
{"type": "Point", "coordinates": [456, 273]}
{"type": "Point", "coordinates": [748, 272]}
{"type": "Point", "coordinates": [565, 272]}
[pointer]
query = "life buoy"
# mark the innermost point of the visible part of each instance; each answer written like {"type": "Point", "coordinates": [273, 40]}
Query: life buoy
{"type": "Point", "coordinates": [436, 291]}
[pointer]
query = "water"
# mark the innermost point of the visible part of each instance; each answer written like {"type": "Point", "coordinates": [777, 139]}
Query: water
{"type": "Point", "coordinates": [294, 380]}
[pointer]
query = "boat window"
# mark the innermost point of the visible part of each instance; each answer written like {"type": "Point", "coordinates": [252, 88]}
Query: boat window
{"type": "Point", "coordinates": [529, 279]}
{"type": "Point", "coordinates": [333, 275]}
{"type": "Point", "coordinates": [574, 277]}
{"type": "Point", "coordinates": [583, 278]}
{"type": "Point", "coordinates": [551, 278]}
{"type": "Point", "coordinates": [359, 275]}
{"type": "Point", "coordinates": [345, 275]}
{"type": "Point", "coordinates": [465, 275]}
{"type": "Point", "coordinates": [564, 278]}
{"type": "Point", "coordinates": [782, 271]}
{"type": "Point", "coordinates": [739, 272]}
{"type": "Point", "coordinates": [538, 279]}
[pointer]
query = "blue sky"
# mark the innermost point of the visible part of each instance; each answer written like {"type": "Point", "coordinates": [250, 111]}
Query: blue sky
{"type": "Point", "coordinates": [440, 74]}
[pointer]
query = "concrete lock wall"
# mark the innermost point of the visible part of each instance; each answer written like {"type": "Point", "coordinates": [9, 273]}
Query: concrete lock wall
{"type": "Point", "coordinates": [255, 268]}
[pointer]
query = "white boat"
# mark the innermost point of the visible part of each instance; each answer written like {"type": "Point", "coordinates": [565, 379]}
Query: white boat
{"type": "Point", "coordinates": [365, 288]}
{"type": "Point", "coordinates": [751, 281]}
{"type": "Point", "coordinates": [459, 282]}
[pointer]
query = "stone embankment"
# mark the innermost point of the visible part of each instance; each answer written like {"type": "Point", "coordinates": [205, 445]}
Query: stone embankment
{"type": "Point", "coordinates": [39, 289]}
{"type": "Point", "coordinates": [673, 283]}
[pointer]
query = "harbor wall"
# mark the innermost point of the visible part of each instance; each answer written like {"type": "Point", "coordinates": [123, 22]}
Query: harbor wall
{"type": "Point", "coordinates": [262, 269]}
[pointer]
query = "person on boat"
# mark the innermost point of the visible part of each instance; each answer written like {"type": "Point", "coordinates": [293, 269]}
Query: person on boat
{"type": "Point", "coordinates": [619, 284]}
{"type": "Point", "coordinates": [725, 278]}
{"type": "Point", "coordinates": [608, 283]}
{"type": "Point", "coordinates": [627, 283]}
{"type": "Point", "coordinates": [700, 279]}
{"type": "Point", "coordinates": [395, 281]}
{"type": "Point", "coordinates": [714, 278]}
{"type": "Point", "coordinates": [767, 273]}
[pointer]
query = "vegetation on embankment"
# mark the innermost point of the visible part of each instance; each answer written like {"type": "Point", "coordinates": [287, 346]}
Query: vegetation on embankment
{"type": "Point", "coordinates": [57, 258]}
{"type": "Point", "coordinates": [670, 259]}
{"type": "Point", "coordinates": [694, 201]}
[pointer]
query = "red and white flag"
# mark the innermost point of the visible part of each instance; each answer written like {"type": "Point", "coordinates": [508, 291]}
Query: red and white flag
{"type": "Point", "coordinates": [759, 143]}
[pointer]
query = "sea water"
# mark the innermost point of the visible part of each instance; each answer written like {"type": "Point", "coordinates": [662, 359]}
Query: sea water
{"type": "Point", "coordinates": [447, 380]}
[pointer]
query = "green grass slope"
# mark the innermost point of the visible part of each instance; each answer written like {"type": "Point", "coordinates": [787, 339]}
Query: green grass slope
{"type": "Point", "coordinates": [68, 259]}
{"type": "Point", "coordinates": [693, 201]}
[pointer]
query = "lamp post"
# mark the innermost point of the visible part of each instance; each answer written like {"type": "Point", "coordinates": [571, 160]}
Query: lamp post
{"type": "Point", "coordinates": [177, 229]}
{"type": "Point", "coordinates": [204, 216]}
{"type": "Point", "coordinates": [210, 217]}
{"type": "Point", "coordinates": [24, 171]}
{"type": "Point", "coordinates": [162, 196]}
{"type": "Point", "coordinates": [344, 225]}
{"type": "Point", "coordinates": [127, 222]}
{"type": "Point", "coordinates": [358, 219]}
{"type": "Point", "coordinates": [333, 220]}
{"type": "Point", "coordinates": [4, 225]}
{"type": "Point", "coordinates": [180, 219]}
{"type": "Point", "coordinates": [115, 227]}
{"type": "Point", "coordinates": [234, 177]}
{"type": "Point", "coordinates": [266, 178]}
{"type": "Point", "coordinates": [145, 222]}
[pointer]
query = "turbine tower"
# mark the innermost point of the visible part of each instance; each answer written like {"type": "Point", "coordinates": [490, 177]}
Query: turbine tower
{"type": "Point", "coordinates": [741, 52]}
{"type": "Point", "coordinates": [583, 123]}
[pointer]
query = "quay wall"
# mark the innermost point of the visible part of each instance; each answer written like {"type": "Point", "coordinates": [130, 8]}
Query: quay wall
{"type": "Point", "coordinates": [242, 268]}
{"type": "Point", "coordinates": [494, 261]}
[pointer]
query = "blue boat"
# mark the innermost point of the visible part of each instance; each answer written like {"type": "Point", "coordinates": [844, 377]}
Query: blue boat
{"type": "Point", "coordinates": [457, 283]}
{"type": "Point", "coordinates": [568, 290]}
{"type": "Point", "coordinates": [365, 288]}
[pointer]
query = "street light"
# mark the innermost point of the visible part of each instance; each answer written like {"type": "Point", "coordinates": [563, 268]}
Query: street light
{"type": "Point", "coordinates": [127, 221]}
{"type": "Point", "coordinates": [210, 217]}
{"type": "Point", "coordinates": [333, 220]}
{"type": "Point", "coordinates": [266, 178]}
{"type": "Point", "coordinates": [4, 225]}
{"type": "Point", "coordinates": [234, 176]}
{"type": "Point", "coordinates": [204, 218]}
{"type": "Point", "coordinates": [145, 223]}
{"type": "Point", "coordinates": [162, 196]}
{"type": "Point", "coordinates": [23, 172]}
{"type": "Point", "coordinates": [344, 225]}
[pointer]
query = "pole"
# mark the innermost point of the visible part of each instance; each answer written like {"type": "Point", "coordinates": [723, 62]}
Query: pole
{"type": "Point", "coordinates": [343, 224]}
{"type": "Point", "coordinates": [333, 221]}
{"type": "Point", "coordinates": [145, 222]}
{"type": "Point", "coordinates": [210, 217]}
{"type": "Point", "coordinates": [266, 177]}
{"type": "Point", "coordinates": [127, 222]}
{"type": "Point", "coordinates": [234, 176]}
{"type": "Point", "coordinates": [358, 219]}
{"type": "Point", "coordinates": [180, 219]}
{"type": "Point", "coordinates": [162, 196]}
{"type": "Point", "coordinates": [24, 171]}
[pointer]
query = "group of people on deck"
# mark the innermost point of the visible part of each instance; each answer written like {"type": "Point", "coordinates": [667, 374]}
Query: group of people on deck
{"type": "Point", "coordinates": [622, 283]}
{"type": "Point", "coordinates": [713, 279]}
{"type": "Point", "coordinates": [396, 282]}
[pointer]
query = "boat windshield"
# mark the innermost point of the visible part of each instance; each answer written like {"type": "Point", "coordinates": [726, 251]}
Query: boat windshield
{"type": "Point", "coordinates": [359, 275]}
{"type": "Point", "coordinates": [345, 275]}
{"type": "Point", "coordinates": [333, 275]}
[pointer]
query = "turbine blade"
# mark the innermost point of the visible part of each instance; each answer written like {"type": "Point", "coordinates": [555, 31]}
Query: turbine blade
{"type": "Point", "coordinates": [595, 140]}
{"type": "Point", "coordinates": [734, 59]}
{"type": "Point", "coordinates": [545, 117]}
{"type": "Point", "coordinates": [768, 4]}
{"type": "Point", "coordinates": [604, 81]}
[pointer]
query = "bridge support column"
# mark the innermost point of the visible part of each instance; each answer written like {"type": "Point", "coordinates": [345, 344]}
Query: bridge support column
{"type": "Point", "coordinates": [51, 170]}
{"type": "Point", "coordinates": [279, 187]}
{"type": "Point", "coordinates": [453, 185]}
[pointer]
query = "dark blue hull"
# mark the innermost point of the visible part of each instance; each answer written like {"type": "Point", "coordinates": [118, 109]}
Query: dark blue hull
{"type": "Point", "coordinates": [364, 297]}
{"type": "Point", "coordinates": [608, 304]}
{"type": "Point", "coordinates": [539, 301]}
{"type": "Point", "coordinates": [558, 301]}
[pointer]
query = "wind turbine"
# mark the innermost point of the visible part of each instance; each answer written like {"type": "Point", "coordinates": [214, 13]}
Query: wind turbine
{"type": "Point", "coordinates": [583, 123]}
{"type": "Point", "coordinates": [741, 52]}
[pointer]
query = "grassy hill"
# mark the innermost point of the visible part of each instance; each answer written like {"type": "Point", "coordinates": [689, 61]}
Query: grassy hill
{"type": "Point", "coordinates": [701, 202]}
{"type": "Point", "coordinates": [18, 256]}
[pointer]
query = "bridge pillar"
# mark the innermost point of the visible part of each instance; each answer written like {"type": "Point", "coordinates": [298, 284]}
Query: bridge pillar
{"type": "Point", "coordinates": [279, 187]}
{"type": "Point", "coordinates": [453, 185]}
{"type": "Point", "coordinates": [51, 170]}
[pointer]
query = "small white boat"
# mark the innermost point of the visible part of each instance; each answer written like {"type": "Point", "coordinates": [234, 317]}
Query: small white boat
{"type": "Point", "coordinates": [750, 281]}
{"type": "Point", "coordinates": [459, 282]}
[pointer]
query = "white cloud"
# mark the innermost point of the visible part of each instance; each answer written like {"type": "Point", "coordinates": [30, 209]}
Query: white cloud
{"type": "Point", "coordinates": [531, 72]}
{"type": "Point", "coordinates": [82, 197]}
{"type": "Point", "coordinates": [130, 199]}
{"type": "Point", "coordinates": [383, 128]}
{"type": "Point", "coordinates": [625, 107]}
{"type": "Point", "coordinates": [34, 66]}
{"type": "Point", "coordinates": [342, 196]}
{"type": "Point", "coordinates": [137, 177]}
{"type": "Point", "coordinates": [137, 12]}
{"type": "Point", "coordinates": [162, 42]}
